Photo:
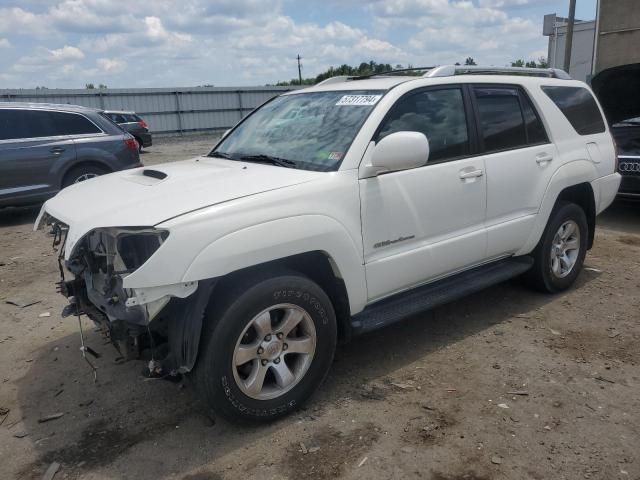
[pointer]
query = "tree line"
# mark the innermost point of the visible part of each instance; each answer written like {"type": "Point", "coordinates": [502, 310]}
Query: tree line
{"type": "Point", "coordinates": [370, 68]}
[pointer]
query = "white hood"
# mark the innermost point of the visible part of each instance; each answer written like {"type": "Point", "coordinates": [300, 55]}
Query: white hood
{"type": "Point", "coordinates": [135, 198]}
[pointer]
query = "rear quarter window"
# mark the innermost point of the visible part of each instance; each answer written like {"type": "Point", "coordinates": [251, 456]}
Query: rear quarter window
{"type": "Point", "coordinates": [579, 107]}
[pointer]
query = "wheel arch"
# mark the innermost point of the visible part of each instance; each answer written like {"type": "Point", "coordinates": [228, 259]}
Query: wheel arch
{"type": "Point", "coordinates": [317, 266]}
{"type": "Point", "coordinates": [188, 315]}
{"type": "Point", "coordinates": [583, 196]}
{"type": "Point", "coordinates": [572, 182]}
{"type": "Point", "coordinates": [84, 163]}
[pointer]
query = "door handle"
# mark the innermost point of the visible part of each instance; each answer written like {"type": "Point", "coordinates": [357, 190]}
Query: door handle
{"type": "Point", "coordinates": [464, 174]}
{"type": "Point", "coordinates": [57, 150]}
{"type": "Point", "coordinates": [543, 158]}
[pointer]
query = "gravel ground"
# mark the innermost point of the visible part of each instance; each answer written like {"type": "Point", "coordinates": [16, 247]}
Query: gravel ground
{"type": "Point", "coordinates": [506, 384]}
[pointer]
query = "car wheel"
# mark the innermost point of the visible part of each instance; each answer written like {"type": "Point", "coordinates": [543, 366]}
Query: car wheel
{"type": "Point", "coordinates": [82, 173]}
{"type": "Point", "coordinates": [267, 349]}
{"type": "Point", "coordinates": [559, 256]}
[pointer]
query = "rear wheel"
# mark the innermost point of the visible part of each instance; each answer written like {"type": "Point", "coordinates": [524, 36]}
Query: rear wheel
{"type": "Point", "coordinates": [81, 173]}
{"type": "Point", "coordinates": [559, 256]}
{"type": "Point", "coordinates": [267, 349]}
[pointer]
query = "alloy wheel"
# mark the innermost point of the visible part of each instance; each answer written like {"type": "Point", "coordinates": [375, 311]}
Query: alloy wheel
{"type": "Point", "coordinates": [565, 249]}
{"type": "Point", "coordinates": [274, 351]}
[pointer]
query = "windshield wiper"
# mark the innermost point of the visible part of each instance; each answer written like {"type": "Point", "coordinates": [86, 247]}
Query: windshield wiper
{"type": "Point", "coordinates": [281, 162]}
{"type": "Point", "coordinates": [221, 155]}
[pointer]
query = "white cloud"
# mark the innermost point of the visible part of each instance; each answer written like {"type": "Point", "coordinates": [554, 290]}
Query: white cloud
{"type": "Point", "coordinates": [111, 65]}
{"type": "Point", "coordinates": [67, 53]}
{"type": "Point", "coordinates": [227, 42]}
{"type": "Point", "coordinates": [17, 20]}
{"type": "Point", "coordinates": [4, 43]}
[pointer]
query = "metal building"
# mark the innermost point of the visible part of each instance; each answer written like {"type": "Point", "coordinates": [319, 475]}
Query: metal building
{"type": "Point", "coordinates": [166, 110]}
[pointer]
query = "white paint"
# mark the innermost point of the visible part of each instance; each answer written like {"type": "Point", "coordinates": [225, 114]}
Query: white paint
{"type": "Point", "coordinates": [427, 220]}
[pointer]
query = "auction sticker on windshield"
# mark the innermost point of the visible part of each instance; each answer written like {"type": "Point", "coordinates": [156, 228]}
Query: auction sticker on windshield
{"type": "Point", "coordinates": [359, 100]}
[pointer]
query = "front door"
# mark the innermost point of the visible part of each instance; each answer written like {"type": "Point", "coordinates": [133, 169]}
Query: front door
{"type": "Point", "coordinates": [424, 223]}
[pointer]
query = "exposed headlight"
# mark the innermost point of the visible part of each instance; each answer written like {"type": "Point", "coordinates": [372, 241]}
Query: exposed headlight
{"type": "Point", "coordinates": [118, 250]}
{"type": "Point", "coordinates": [135, 248]}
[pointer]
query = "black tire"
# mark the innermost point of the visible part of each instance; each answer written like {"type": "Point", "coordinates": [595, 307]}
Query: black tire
{"type": "Point", "coordinates": [139, 144]}
{"type": "Point", "coordinates": [226, 323]}
{"type": "Point", "coordinates": [541, 276]}
{"type": "Point", "coordinates": [78, 172]}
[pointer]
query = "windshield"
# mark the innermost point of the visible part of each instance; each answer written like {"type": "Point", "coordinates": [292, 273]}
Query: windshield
{"type": "Point", "coordinates": [312, 131]}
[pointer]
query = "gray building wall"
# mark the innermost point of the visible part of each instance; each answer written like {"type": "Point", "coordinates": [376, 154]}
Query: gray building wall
{"type": "Point", "coordinates": [166, 110]}
{"type": "Point", "coordinates": [618, 40]}
{"type": "Point", "coordinates": [581, 50]}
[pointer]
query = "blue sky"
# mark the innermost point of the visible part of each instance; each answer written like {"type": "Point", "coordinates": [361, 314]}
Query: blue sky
{"type": "Point", "coordinates": [67, 43]}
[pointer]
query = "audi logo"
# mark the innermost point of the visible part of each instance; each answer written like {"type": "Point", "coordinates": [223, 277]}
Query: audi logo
{"type": "Point", "coordinates": [628, 167]}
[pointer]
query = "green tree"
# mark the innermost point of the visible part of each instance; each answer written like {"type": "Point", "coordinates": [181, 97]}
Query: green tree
{"type": "Point", "coordinates": [542, 63]}
{"type": "Point", "coordinates": [89, 86]}
{"type": "Point", "coordinates": [102, 86]}
{"type": "Point", "coordinates": [470, 61]}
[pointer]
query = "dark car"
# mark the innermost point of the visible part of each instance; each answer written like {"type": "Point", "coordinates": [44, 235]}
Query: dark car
{"type": "Point", "coordinates": [627, 136]}
{"type": "Point", "coordinates": [132, 123]}
{"type": "Point", "coordinates": [46, 147]}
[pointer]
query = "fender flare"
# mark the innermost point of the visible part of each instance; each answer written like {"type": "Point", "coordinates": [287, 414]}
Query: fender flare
{"type": "Point", "coordinates": [282, 238]}
{"type": "Point", "coordinates": [568, 175]}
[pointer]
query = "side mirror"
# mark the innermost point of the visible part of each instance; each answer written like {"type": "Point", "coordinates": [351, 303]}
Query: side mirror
{"type": "Point", "coordinates": [400, 151]}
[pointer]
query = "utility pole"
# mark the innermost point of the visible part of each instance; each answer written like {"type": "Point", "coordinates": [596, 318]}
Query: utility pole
{"type": "Point", "coordinates": [569, 39]}
{"type": "Point", "coordinates": [299, 70]}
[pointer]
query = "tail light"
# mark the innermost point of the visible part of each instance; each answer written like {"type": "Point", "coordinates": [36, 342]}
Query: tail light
{"type": "Point", "coordinates": [131, 143]}
{"type": "Point", "coordinates": [615, 152]}
{"type": "Point", "coordinates": [143, 124]}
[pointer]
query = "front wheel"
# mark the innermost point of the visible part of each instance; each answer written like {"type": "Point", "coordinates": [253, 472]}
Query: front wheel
{"type": "Point", "coordinates": [266, 351]}
{"type": "Point", "coordinates": [559, 256]}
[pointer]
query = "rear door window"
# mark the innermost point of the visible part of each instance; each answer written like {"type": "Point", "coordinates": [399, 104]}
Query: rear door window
{"type": "Point", "coordinates": [536, 134]}
{"type": "Point", "coordinates": [73, 124]}
{"type": "Point", "coordinates": [501, 119]}
{"type": "Point", "coordinates": [439, 114]}
{"type": "Point", "coordinates": [579, 107]}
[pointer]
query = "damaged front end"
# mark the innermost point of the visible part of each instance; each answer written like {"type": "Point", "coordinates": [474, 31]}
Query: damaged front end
{"type": "Point", "coordinates": [158, 318]}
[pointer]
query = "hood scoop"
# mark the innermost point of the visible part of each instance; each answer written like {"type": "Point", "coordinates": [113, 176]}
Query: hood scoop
{"type": "Point", "coordinates": [154, 174]}
{"type": "Point", "coordinates": [146, 176]}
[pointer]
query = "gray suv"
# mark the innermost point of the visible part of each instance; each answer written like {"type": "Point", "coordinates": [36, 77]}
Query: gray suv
{"type": "Point", "coordinates": [46, 147]}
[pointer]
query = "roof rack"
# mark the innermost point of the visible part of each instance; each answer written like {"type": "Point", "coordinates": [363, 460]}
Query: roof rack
{"type": "Point", "coordinates": [450, 70]}
{"type": "Point", "coordinates": [387, 72]}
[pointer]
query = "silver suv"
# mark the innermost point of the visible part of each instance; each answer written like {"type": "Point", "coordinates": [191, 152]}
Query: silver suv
{"type": "Point", "coordinates": [45, 147]}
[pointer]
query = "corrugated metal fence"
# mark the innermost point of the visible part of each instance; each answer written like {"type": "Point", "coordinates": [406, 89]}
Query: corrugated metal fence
{"type": "Point", "coordinates": [166, 110]}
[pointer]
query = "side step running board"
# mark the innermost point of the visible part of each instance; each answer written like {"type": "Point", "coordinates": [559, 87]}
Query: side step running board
{"type": "Point", "coordinates": [419, 299]}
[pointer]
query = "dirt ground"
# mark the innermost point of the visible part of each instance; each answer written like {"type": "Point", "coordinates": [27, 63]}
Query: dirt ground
{"type": "Point", "coordinates": [506, 384]}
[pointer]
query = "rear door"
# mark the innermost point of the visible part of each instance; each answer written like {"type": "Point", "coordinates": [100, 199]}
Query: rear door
{"type": "Point", "coordinates": [32, 145]}
{"type": "Point", "coordinates": [519, 160]}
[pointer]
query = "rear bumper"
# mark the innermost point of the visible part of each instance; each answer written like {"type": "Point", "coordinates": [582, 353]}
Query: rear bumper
{"type": "Point", "coordinates": [606, 189]}
{"type": "Point", "coordinates": [145, 138]}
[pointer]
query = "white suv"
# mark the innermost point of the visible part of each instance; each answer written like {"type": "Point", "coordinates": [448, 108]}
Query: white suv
{"type": "Point", "coordinates": [332, 211]}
